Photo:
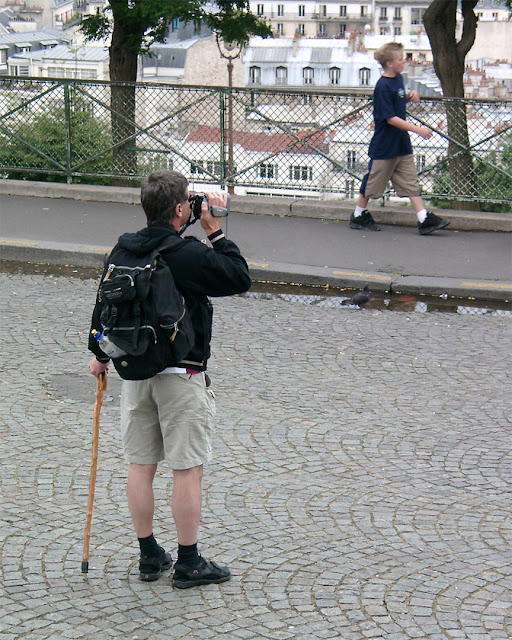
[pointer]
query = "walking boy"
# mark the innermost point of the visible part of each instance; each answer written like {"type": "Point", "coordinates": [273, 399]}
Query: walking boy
{"type": "Point", "coordinates": [169, 416]}
{"type": "Point", "coordinates": [390, 148]}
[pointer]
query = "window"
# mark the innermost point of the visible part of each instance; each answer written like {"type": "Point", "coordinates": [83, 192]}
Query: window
{"type": "Point", "coordinates": [334, 75]}
{"type": "Point", "coordinates": [363, 11]}
{"type": "Point", "coordinates": [398, 31]}
{"type": "Point", "coordinates": [420, 162]}
{"type": "Point", "coordinates": [300, 172]}
{"type": "Point", "coordinates": [281, 76]}
{"type": "Point", "coordinates": [308, 74]}
{"type": "Point", "coordinates": [350, 188]}
{"type": "Point", "coordinates": [417, 16]}
{"type": "Point", "coordinates": [398, 13]}
{"type": "Point", "coordinates": [351, 159]}
{"type": "Point", "coordinates": [201, 166]}
{"type": "Point", "coordinates": [260, 9]}
{"type": "Point", "coordinates": [343, 10]}
{"type": "Point", "coordinates": [323, 10]}
{"type": "Point", "coordinates": [383, 31]}
{"type": "Point", "coordinates": [321, 29]}
{"type": "Point", "coordinates": [301, 29]}
{"type": "Point", "coordinates": [196, 167]}
{"type": "Point", "coordinates": [175, 24]}
{"type": "Point", "coordinates": [18, 70]}
{"type": "Point", "coordinates": [255, 75]}
{"type": "Point", "coordinates": [343, 30]}
{"type": "Point", "coordinates": [280, 29]}
{"type": "Point", "coordinates": [214, 167]}
{"type": "Point", "coordinates": [302, 10]}
{"type": "Point", "coordinates": [3, 56]}
{"type": "Point", "coordinates": [307, 99]}
{"type": "Point", "coordinates": [267, 170]}
{"type": "Point", "coordinates": [383, 13]}
{"type": "Point", "coordinates": [88, 74]}
{"type": "Point", "coordinates": [280, 9]}
{"type": "Point", "coordinates": [364, 76]}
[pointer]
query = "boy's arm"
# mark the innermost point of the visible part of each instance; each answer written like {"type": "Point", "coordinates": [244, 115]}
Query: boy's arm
{"type": "Point", "coordinates": [397, 122]}
{"type": "Point", "coordinates": [413, 96]}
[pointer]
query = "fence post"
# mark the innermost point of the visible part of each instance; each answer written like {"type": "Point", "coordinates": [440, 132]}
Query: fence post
{"type": "Point", "coordinates": [222, 139]}
{"type": "Point", "coordinates": [67, 111]}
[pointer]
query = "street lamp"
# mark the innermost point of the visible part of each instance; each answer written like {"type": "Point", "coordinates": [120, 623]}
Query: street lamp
{"type": "Point", "coordinates": [229, 51]}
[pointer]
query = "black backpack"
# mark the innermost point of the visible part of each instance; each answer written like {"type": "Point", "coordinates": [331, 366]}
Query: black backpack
{"type": "Point", "coordinates": [143, 313]}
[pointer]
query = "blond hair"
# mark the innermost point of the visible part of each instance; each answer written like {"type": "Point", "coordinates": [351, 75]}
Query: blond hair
{"type": "Point", "coordinates": [388, 52]}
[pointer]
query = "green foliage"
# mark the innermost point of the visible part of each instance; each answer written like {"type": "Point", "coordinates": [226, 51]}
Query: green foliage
{"type": "Point", "coordinates": [144, 22]}
{"type": "Point", "coordinates": [493, 184]}
{"type": "Point", "coordinates": [41, 137]}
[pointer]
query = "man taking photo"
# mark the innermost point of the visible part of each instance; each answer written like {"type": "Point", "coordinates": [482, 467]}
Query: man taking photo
{"type": "Point", "coordinates": [169, 416]}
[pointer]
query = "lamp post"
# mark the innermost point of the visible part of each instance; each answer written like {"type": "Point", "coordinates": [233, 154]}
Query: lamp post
{"type": "Point", "coordinates": [229, 51]}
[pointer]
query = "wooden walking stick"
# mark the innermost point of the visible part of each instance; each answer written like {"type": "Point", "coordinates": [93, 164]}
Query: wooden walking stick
{"type": "Point", "coordinates": [101, 385]}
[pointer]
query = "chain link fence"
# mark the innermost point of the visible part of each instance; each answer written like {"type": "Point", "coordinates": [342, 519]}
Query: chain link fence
{"type": "Point", "coordinates": [282, 143]}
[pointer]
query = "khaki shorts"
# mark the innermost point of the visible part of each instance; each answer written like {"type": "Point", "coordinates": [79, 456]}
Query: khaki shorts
{"type": "Point", "coordinates": [400, 170]}
{"type": "Point", "coordinates": [168, 417]}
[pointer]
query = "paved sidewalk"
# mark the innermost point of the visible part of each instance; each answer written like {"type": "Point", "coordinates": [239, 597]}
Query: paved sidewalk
{"type": "Point", "coordinates": [467, 260]}
{"type": "Point", "coordinates": [360, 486]}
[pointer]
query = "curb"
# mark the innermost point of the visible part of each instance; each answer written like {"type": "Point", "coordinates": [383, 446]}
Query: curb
{"type": "Point", "coordinates": [75, 255]}
{"type": "Point", "coordinates": [390, 214]}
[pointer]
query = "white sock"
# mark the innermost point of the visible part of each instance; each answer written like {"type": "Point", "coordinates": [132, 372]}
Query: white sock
{"type": "Point", "coordinates": [358, 211]}
{"type": "Point", "coordinates": [422, 215]}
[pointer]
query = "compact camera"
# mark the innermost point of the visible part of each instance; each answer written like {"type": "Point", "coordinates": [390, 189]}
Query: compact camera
{"type": "Point", "coordinates": [196, 200]}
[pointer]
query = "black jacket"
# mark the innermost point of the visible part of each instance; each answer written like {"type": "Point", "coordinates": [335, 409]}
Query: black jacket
{"type": "Point", "coordinates": [199, 272]}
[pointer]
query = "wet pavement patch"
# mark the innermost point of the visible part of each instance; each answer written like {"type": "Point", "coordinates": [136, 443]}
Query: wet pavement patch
{"type": "Point", "coordinates": [82, 388]}
{"type": "Point", "coordinates": [332, 297]}
{"type": "Point", "coordinates": [325, 296]}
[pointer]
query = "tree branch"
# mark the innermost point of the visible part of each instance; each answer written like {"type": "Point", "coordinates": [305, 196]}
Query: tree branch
{"type": "Point", "coordinates": [467, 39]}
{"type": "Point", "coordinates": [435, 11]}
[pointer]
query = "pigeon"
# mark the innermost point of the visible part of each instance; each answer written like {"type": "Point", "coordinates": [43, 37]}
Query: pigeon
{"type": "Point", "coordinates": [360, 299]}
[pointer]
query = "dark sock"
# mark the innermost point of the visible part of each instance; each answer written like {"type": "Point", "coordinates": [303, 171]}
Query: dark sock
{"type": "Point", "coordinates": [149, 547]}
{"type": "Point", "coordinates": [187, 554]}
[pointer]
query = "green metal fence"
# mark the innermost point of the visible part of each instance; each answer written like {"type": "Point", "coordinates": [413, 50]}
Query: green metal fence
{"type": "Point", "coordinates": [282, 143]}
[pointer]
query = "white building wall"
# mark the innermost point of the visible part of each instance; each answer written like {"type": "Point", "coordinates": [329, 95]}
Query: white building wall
{"type": "Point", "coordinates": [297, 55]}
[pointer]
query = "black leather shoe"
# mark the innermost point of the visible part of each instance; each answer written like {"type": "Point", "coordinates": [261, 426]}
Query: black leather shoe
{"type": "Point", "coordinates": [150, 568]}
{"type": "Point", "coordinates": [206, 572]}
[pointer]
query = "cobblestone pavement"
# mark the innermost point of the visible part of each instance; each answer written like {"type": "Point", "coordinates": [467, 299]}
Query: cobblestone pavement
{"type": "Point", "coordinates": [361, 485]}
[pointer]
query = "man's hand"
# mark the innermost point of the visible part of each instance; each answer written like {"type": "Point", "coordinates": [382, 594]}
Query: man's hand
{"type": "Point", "coordinates": [413, 96]}
{"type": "Point", "coordinates": [97, 368]}
{"type": "Point", "coordinates": [209, 223]}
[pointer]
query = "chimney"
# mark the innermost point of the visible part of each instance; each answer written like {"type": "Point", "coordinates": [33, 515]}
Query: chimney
{"type": "Point", "coordinates": [296, 39]}
{"type": "Point", "coordinates": [352, 43]}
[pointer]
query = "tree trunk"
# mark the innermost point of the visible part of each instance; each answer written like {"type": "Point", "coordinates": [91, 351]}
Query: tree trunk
{"type": "Point", "coordinates": [449, 64]}
{"type": "Point", "coordinates": [123, 74]}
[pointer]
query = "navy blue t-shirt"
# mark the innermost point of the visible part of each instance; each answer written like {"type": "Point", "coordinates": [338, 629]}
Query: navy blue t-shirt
{"type": "Point", "coordinates": [389, 100]}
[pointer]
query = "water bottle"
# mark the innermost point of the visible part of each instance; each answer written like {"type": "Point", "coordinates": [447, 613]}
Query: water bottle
{"type": "Point", "coordinates": [107, 346]}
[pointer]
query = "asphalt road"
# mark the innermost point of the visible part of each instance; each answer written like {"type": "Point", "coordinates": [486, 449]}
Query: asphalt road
{"type": "Point", "coordinates": [295, 241]}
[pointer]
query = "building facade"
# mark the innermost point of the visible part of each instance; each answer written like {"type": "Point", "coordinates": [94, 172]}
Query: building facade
{"type": "Point", "coordinates": [17, 44]}
{"type": "Point", "coordinates": [61, 61]}
{"type": "Point", "coordinates": [338, 19]}
{"type": "Point", "coordinates": [308, 63]}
